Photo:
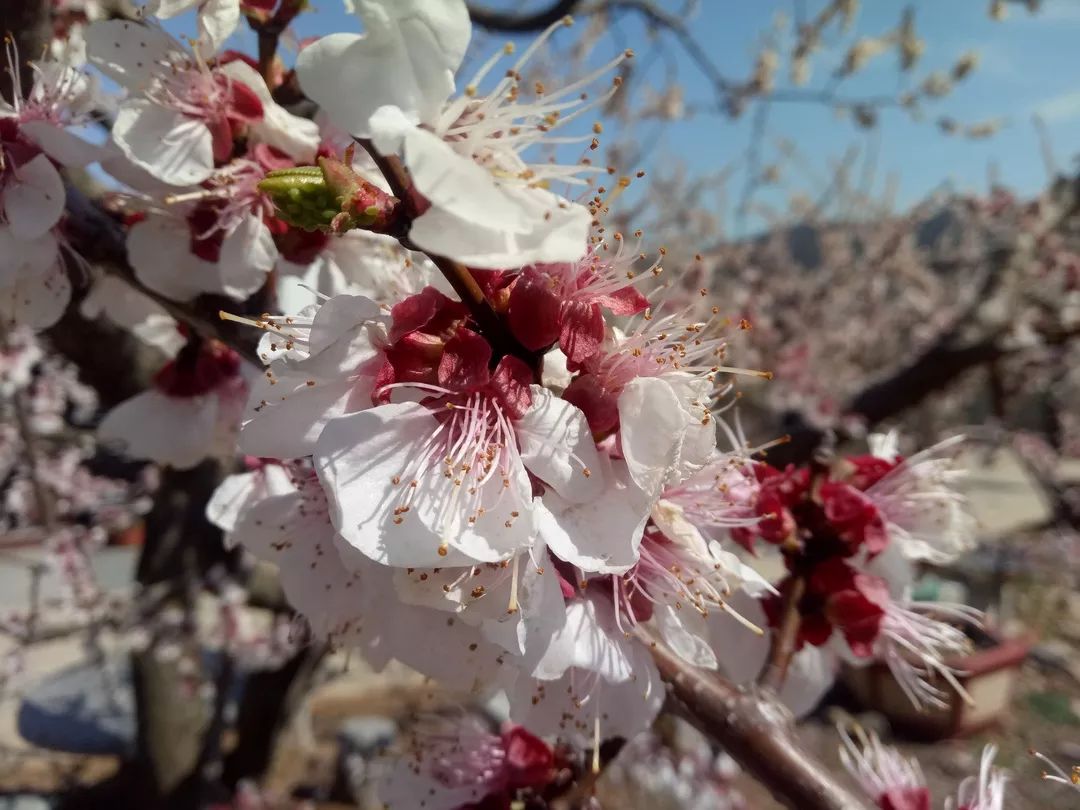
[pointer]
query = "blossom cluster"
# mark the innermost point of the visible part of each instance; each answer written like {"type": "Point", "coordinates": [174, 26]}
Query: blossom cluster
{"type": "Point", "coordinates": [481, 444]}
{"type": "Point", "coordinates": [850, 532]}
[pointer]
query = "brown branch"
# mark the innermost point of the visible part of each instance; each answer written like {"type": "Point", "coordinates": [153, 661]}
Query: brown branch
{"type": "Point", "coordinates": [783, 642]}
{"type": "Point", "coordinates": [753, 729]}
{"type": "Point", "coordinates": [520, 23]}
{"type": "Point", "coordinates": [267, 36]}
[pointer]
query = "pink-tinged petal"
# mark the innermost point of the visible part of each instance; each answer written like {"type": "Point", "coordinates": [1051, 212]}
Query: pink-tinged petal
{"type": "Point", "coordinates": [557, 447]}
{"type": "Point", "coordinates": [178, 431]}
{"type": "Point", "coordinates": [127, 52]}
{"type": "Point", "coordinates": [296, 137]}
{"type": "Point", "coordinates": [172, 147]}
{"type": "Point", "coordinates": [601, 408]}
{"type": "Point", "coordinates": [627, 301]}
{"type": "Point", "coordinates": [533, 312]}
{"type": "Point", "coordinates": [34, 198]}
{"type": "Point", "coordinates": [464, 362]}
{"type": "Point", "coordinates": [581, 330]}
{"type": "Point", "coordinates": [416, 311]}
{"type": "Point", "coordinates": [510, 383]}
{"type": "Point", "coordinates": [368, 463]}
{"type": "Point", "coordinates": [62, 146]}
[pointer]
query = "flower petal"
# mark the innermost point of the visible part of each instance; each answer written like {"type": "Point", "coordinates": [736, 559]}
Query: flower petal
{"type": "Point", "coordinates": [557, 447]}
{"type": "Point", "coordinates": [34, 198]}
{"type": "Point", "coordinates": [178, 431]}
{"type": "Point", "coordinates": [127, 52]}
{"type": "Point", "coordinates": [368, 462]}
{"type": "Point", "coordinates": [172, 147]}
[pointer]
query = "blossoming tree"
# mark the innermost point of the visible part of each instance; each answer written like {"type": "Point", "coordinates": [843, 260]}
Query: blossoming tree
{"type": "Point", "coordinates": [477, 438]}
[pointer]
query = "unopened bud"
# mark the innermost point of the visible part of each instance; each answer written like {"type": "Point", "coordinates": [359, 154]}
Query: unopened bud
{"type": "Point", "coordinates": [328, 197]}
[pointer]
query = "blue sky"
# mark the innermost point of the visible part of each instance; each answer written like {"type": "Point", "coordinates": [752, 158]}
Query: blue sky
{"type": "Point", "coordinates": [1028, 64]}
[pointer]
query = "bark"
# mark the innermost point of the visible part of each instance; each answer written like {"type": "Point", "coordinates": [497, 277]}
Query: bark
{"type": "Point", "coordinates": [756, 731]}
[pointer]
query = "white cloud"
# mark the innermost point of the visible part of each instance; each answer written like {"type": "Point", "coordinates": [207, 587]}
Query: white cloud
{"type": "Point", "coordinates": [1064, 107]}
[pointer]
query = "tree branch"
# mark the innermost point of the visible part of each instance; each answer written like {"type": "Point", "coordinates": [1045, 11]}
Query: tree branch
{"type": "Point", "coordinates": [518, 22]}
{"type": "Point", "coordinates": [753, 729]}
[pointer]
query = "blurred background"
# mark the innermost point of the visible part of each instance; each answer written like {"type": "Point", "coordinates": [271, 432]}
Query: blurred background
{"type": "Point", "coordinates": [886, 193]}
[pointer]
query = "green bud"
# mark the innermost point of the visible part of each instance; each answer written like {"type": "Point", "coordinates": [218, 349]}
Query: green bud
{"type": "Point", "coordinates": [327, 197]}
{"type": "Point", "coordinates": [301, 197]}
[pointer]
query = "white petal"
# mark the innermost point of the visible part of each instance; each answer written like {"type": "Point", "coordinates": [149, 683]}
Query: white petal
{"type": "Point", "coordinates": [127, 52]}
{"type": "Point", "coordinates": [285, 415]}
{"type": "Point", "coordinates": [450, 180]}
{"type": "Point", "coordinates": [129, 308]}
{"type": "Point", "coordinates": [62, 146]}
{"type": "Point", "coordinates": [25, 257]}
{"type": "Point", "coordinates": [35, 296]}
{"type": "Point", "coordinates": [247, 255]}
{"type": "Point", "coordinates": [166, 143]}
{"type": "Point", "coordinates": [602, 535]}
{"type": "Point", "coordinates": [686, 632]}
{"type": "Point", "coordinates": [810, 675]}
{"type": "Point", "coordinates": [662, 438]}
{"type": "Point", "coordinates": [566, 710]}
{"type": "Point", "coordinates": [559, 232]}
{"type": "Point", "coordinates": [158, 249]}
{"type": "Point", "coordinates": [295, 136]}
{"type": "Point", "coordinates": [217, 21]}
{"type": "Point", "coordinates": [293, 532]}
{"type": "Point", "coordinates": [558, 448]}
{"type": "Point", "coordinates": [179, 431]}
{"type": "Point", "coordinates": [34, 198]}
{"type": "Point", "coordinates": [407, 58]}
{"type": "Point", "coordinates": [740, 652]}
{"type": "Point", "coordinates": [339, 321]}
{"type": "Point", "coordinates": [359, 457]}
{"type": "Point", "coordinates": [230, 499]}
{"type": "Point", "coordinates": [589, 640]}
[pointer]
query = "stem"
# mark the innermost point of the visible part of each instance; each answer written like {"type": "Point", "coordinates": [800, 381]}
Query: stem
{"type": "Point", "coordinates": [460, 277]}
{"type": "Point", "coordinates": [753, 729]}
{"type": "Point", "coordinates": [783, 640]}
{"type": "Point", "coordinates": [268, 41]}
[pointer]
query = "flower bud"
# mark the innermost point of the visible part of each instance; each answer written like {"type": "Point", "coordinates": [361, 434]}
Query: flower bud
{"type": "Point", "coordinates": [328, 197]}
